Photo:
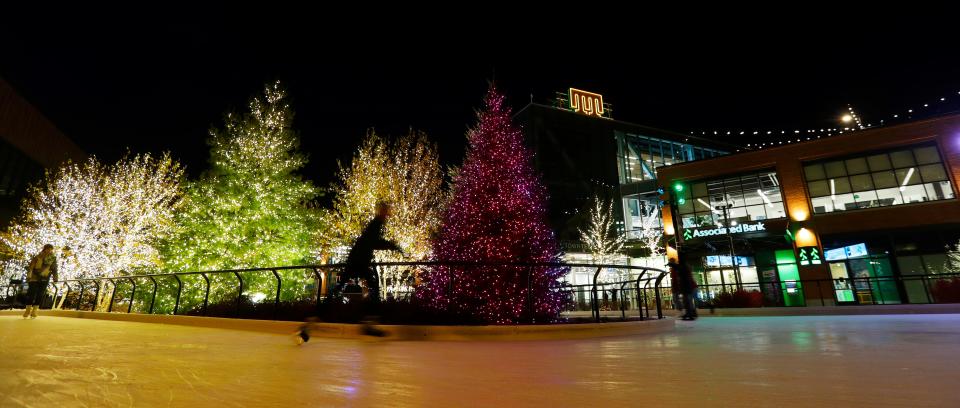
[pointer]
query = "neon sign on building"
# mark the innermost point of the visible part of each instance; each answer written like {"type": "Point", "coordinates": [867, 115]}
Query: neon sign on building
{"type": "Point", "coordinates": [587, 103]}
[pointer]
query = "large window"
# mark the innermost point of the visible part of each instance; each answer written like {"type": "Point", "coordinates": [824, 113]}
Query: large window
{"type": "Point", "coordinates": [641, 155]}
{"type": "Point", "coordinates": [735, 199]}
{"type": "Point", "coordinates": [908, 175]}
{"type": "Point", "coordinates": [642, 214]}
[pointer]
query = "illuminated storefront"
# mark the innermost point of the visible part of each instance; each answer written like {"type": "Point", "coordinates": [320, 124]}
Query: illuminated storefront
{"type": "Point", "coordinates": [869, 217]}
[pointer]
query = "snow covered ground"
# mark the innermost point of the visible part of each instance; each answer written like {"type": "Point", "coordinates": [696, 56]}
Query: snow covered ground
{"type": "Point", "coordinates": [896, 361]}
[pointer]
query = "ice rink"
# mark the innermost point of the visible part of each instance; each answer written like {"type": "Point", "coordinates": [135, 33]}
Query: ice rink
{"type": "Point", "coordinates": [830, 361]}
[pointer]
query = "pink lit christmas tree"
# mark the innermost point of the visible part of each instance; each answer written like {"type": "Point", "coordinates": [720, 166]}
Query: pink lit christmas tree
{"type": "Point", "coordinates": [497, 215]}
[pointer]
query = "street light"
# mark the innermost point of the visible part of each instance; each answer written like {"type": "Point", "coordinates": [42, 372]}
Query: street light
{"type": "Point", "coordinates": [846, 118]}
{"type": "Point", "coordinates": [725, 208]}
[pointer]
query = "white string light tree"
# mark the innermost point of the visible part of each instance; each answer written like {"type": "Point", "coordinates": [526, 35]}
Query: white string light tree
{"type": "Point", "coordinates": [103, 220]}
{"type": "Point", "coordinates": [404, 172]}
{"type": "Point", "coordinates": [651, 237]}
{"type": "Point", "coordinates": [601, 238]}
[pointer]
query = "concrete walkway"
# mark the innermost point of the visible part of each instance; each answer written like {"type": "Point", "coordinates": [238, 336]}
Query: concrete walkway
{"type": "Point", "coordinates": [887, 361]}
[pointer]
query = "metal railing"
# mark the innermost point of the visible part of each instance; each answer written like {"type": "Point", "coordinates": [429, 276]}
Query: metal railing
{"type": "Point", "coordinates": [190, 292]}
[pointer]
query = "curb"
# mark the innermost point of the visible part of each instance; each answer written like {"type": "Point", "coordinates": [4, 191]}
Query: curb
{"type": "Point", "coordinates": [394, 332]}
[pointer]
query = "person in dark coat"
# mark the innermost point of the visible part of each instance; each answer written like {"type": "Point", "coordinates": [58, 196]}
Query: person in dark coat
{"type": "Point", "coordinates": [687, 286]}
{"type": "Point", "coordinates": [358, 266]}
{"type": "Point", "coordinates": [361, 255]}
{"type": "Point", "coordinates": [41, 270]}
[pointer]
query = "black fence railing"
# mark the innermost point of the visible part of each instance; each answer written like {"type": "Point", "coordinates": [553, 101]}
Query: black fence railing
{"type": "Point", "coordinates": [265, 292]}
{"type": "Point", "coordinates": [883, 290]}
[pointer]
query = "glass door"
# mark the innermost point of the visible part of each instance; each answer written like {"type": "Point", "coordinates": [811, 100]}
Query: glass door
{"type": "Point", "coordinates": [841, 282]}
{"type": "Point", "coordinates": [873, 280]}
{"type": "Point", "coordinates": [861, 274]}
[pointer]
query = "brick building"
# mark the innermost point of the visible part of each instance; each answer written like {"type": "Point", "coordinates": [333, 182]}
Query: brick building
{"type": "Point", "coordinates": [29, 143]}
{"type": "Point", "coordinates": [867, 217]}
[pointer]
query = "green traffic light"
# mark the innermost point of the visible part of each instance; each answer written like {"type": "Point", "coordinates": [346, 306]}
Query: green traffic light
{"type": "Point", "coordinates": [681, 201]}
{"type": "Point", "coordinates": [678, 187]}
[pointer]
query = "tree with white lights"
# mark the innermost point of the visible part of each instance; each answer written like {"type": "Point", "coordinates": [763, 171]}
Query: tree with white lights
{"type": "Point", "coordinates": [111, 217]}
{"type": "Point", "coordinates": [600, 235]}
{"type": "Point", "coordinates": [406, 173]}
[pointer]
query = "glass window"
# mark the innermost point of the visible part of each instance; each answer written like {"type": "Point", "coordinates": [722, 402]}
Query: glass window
{"type": "Point", "coordinates": [889, 196]}
{"type": "Point", "coordinates": [735, 198]}
{"type": "Point", "coordinates": [835, 169]}
{"type": "Point", "coordinates": [822, 205]}
{"type": "Point", "coordinates": [840, 185]}
{"type": "Point", "coordinates": [939, 191]}
{"type": "Point", "coordinates": [753, 197]}
{"type": "Point", "coordinates": [861, 182]}
{"type": "Point", "coordinates": [699, 189]}
{"type": "Point", "coordinates": [926, 154]}
{"type": "Point", "coordinates": [857, 166]}
{"type": "Point", "coordinates": [756, 213]}
{"type": "Point", "coordinates": [820, 188]}
{"type": "Point", "coordinates": [910, 265]}
{"type": "Point", "coordinates": [933, 172]}
{"type": "Point", "coordinates": [746, 197]}
{"type": "Point", "coordinates": [844, 202]}
{"type": "Point", "coordinates": [686, 207]}
{"type": "Point", "coordinates": [771, 194]}
{"type": "Point", "coordinates": [908, 176]}
{"type": "Point", "coordinates": [705, 220]}
{"type": "Point", "coordinates": [737, 214]}
{"type": "Point", "coordinates": [866, 199]}
{"type": "Point", "coordinates": [913, 194]}
{"type": "Point", "coordinates": [884, 179]}
{"type": "Point", "coordinates": [935, 263]}
{"type": "Point", "coordinates": [902, 158]}
{"type": "Point", "coordinates": [814, 172]}
{"type": "Point", "coordinates": [903, 176]}
{"type": "Point", "coordinates": [879, 162]}
{"type": "Point", "coordinates": [775, 210]}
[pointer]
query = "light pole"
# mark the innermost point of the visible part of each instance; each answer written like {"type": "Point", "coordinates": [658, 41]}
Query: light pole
{"type": "Point", "coordinates": [733, 254]}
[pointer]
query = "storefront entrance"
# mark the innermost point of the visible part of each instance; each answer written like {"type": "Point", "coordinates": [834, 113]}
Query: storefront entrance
{"type": "Point", "coordinates": [860, 277]}
{"type": "Point", "coordinates": [865, 281]}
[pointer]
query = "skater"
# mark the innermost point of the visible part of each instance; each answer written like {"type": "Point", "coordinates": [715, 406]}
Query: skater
{"type": "Point", "coordinates": [361, 255]}
{"type": "Point", "coordinates": [41, 269]}
{"type": "Point", "coordinates": [687, 286]}
{"type": "Point", "coordinates": [358, 267]}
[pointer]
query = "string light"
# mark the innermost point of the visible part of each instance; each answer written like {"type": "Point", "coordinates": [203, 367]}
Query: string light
{"type": "Point", "coordinates": [822, 132]}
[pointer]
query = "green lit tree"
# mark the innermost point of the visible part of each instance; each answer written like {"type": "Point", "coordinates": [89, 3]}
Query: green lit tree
{"type": "Point", "coordinates": [251, 208]}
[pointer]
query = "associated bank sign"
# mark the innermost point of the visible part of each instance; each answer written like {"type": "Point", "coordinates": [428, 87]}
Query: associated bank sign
{"type": "Point", "coordinates": [690, 233]}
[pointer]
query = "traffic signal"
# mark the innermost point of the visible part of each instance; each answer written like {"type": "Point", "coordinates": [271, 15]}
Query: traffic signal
{"type": "Point", "coordinates": [678, 187]}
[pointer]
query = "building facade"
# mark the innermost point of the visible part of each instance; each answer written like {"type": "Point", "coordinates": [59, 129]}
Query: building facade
{"type": "Point", "coordinates": [29, 143]}
{"type": "Point", "coordinates": [582, 152]}
{"type": "Point", "coordinates": [868, 217]}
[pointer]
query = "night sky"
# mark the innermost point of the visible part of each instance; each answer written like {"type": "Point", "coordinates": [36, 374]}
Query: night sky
{"type": "Point", "coordinates": [155, 85]}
